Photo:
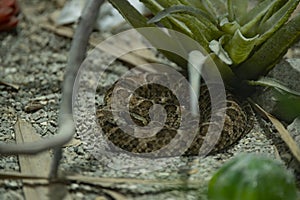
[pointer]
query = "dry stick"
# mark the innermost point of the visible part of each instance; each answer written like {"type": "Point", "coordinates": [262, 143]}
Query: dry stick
{"type": "Point", "coordinates": [284, 134]}
{"type": "Point", "coordinates": [66, 125]}
{"type": "Point", "coordinates": [77, 55]}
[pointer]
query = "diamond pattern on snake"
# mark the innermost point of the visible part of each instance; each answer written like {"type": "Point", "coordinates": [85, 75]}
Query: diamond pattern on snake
{"type": "Point", "coordinates": [238, 120]}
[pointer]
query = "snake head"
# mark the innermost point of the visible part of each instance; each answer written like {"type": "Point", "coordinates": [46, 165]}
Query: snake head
{"type": "Point", "coordinates": [9, 10]}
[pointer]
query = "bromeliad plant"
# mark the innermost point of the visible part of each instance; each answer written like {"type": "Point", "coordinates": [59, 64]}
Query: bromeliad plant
{"type": "Point", "coordinates": [244, 42]}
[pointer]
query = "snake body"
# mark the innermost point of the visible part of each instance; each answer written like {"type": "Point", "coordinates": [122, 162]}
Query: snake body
{"type": "Point", "coordinates": [238, 121]}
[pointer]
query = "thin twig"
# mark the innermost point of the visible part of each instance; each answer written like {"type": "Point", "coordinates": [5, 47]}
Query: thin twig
{"type": "Point", "coordinates": [284, 134]}
{"type": "Point", "coordinates": [77, 55]}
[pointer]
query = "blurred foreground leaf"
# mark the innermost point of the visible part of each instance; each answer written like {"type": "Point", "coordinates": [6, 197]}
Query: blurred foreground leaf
{"type": "Point", "coordinates": [252, 177]}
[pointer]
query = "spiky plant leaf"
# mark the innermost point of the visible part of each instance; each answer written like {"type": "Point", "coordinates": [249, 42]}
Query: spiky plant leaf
{"type": "Point", "coordinates": [275, 84]}
{"type": "Point", "coordinates": [240, 47]}
{"type": "Point", "coordinates": [200, 14]}
{"type": "Point", "coordinates": [258, 10]}
{"type": "Point", "coordinates": [267, 28]}
{"type": "Point", "coordinates": [165, 3]}
{"type": "Point", "coordinates": [197, 29]}
{"type": "Point", "coordinates": [270, 52]}
{"type": "Point", "coordinates": [229, 27]}
{"type": "Point", "coordinates": [277, 5]}
{"type": "Point", "coordinates": [233, 47]}
{"type": "Point", "coordinates": [158, 8]}
{"type": "Point", "coordinates": [287, 106]}
{"type": "Point", "coordinates": [137, 20]}
{"type": "Point", "coordinates": [198, 4]}
{"type": "Point", "coordinates": [216, 8]}
{"type": "Point", "coordinates": [250, 26]}
{"type": "Point", "coordinates": [284, 97]}
{"type": "Point", "coordinates": [236, 8]}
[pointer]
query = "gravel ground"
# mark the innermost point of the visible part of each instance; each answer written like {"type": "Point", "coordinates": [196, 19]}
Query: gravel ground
{"type": "Point", "coordinates": [34, 59]}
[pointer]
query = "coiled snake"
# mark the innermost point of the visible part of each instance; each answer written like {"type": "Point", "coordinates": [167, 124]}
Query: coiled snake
{"type": "Point", "coordinates": [238, 120]}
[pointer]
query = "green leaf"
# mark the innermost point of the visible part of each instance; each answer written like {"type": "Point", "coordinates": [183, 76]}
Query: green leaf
{"type": "Point", "coordinates": [277, 20]}
{"type": "Point", "coordinates": [163, 3]}
{"type": "Point", "coordinates": [239, 47]}
{"type": "Point", "coordinates": [198, 4]}
{"type": "Point", "coordinates": [137, 20]}
{"type": "Point", "coordinates": [185, 2]}
{"type": "Point", "coordinates": [252, 177]}
{"type": "Point", "coordinates": [152, 5]}
{"type": "Point", "coordinates": [277, 5]}
{"type": "Point", "coordinates": [280, 17]}
{"type": "Point", "coordinates": [255, 12]}
{"type": "Point", "coordinates": [197, 29]}
{"type": "Point", "coordinates": [217, 8]}
{"type": "Point", "coordinates": [270, 52]}
{"type": "Point", "coordinates": [236, 8]}
{"type": "Point", "coordinates": [250, 25]}
{"type": "Point", "coordinates": [156, 6]}
{"type": "Point", "coordinates": [200, 28]}
{"type": "Point", "coordinates": [275, 84]}
{"type": "Point", "coordinates": [229, 27]}
{"type": "Point", "coordinates": [180, 8]}
{"type": "Point", "coordinates": [287, 105]}
{"type": "Point", "coordinates": [164, 15]}
{"type": "Point", "coordinates": [129, 13]}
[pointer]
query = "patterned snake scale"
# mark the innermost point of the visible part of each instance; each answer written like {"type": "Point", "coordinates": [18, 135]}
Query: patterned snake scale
{"type": "Point", "coordinates": [238, 121]}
